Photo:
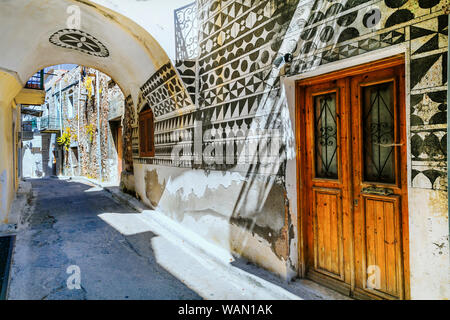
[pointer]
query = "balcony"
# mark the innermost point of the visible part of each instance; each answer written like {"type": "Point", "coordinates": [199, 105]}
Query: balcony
{"type": "Point", "coordinates": [33, 92]}
{"type": "Point", "coordinates": [50, 124]}
{"type": "Point", "coordinates": [36, 81]}
{"type": "Point", "coordinates": [27, 130]}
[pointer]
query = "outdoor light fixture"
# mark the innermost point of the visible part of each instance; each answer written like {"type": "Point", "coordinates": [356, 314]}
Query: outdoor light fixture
{"type": "Point", "coordinates": [285, 58]}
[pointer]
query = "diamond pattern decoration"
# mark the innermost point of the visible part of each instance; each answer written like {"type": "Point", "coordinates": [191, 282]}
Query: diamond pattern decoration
{"type": "Point", "coordinates": [165, 92]}
{"type": "Point", "coordinates": [429, 35]}
{"type": "Point", "coordinates": [238, 41]}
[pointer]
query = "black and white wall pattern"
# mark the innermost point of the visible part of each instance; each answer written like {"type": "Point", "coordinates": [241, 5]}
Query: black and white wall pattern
{"type": "Point", "coordinates": [232, 73]}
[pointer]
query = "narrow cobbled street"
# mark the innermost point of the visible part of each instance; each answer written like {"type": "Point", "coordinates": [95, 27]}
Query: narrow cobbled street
{"type": "Point", "coordinates": [61, 228]}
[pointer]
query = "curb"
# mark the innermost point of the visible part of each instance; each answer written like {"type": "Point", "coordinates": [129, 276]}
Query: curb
{"type": "Point", "coordinates": [23, 194]}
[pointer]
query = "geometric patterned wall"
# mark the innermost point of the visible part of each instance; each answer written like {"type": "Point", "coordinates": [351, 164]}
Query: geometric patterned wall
{"type": "Point", "coordinates": [234, 79]}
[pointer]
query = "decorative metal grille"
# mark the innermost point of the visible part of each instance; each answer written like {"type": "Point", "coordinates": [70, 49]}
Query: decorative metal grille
{"type": "Point", "coordinates": [186, 32]}
{"type": "Point", "coordinates": [379, 133]}
{"type": "Point", "coordinates": [326, 136]}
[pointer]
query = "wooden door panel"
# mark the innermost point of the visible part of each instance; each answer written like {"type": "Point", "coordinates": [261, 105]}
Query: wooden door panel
{"type": "Point", "coordinates": [119, 149]}
{"type": "Point", "coordinates": [353, 180]}
{"type": "Point", "coordinates": [382, 245]}
{"type": "Point", "coordinates": [328, 232]}
{"type": "Point", "coordinates": [379, 148]}
{"type": "Point", "coordinates": [327, 185]}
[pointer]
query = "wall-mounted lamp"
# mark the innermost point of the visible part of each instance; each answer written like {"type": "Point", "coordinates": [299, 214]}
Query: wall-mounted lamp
{"type": "Point", "coordinates": [281, 60]}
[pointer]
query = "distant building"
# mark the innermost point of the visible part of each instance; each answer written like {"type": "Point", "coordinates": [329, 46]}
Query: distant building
{"type": "Point", "coordinates": [70, 112]}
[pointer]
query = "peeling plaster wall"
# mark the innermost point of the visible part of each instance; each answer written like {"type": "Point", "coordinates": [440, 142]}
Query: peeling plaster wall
{"type": "Point", "coordinates": [209, 203]}
{"type": "Point", "coordinates": [429, 244]}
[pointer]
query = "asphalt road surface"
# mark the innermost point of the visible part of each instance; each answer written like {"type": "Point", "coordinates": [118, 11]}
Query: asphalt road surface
{"type": "Point", "coordinates": [65, 251]}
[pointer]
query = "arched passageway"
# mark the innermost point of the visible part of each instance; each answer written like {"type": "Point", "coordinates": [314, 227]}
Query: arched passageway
{"type": "Point", "coordinates": [37, 35]}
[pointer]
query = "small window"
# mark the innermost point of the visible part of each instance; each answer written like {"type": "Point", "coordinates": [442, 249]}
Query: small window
{"type": "Point", "coordinates": [70, 105]}
{"type": "Point", "coordinates": [146, 134]}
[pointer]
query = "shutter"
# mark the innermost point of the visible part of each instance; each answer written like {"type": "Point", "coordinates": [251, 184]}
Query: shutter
{"type": "Point", "coordinates": [142, 137]}
{"type": "Point", "coordinates": [146, 135]}
{"type": "Point", "coordinates": [149, 131]}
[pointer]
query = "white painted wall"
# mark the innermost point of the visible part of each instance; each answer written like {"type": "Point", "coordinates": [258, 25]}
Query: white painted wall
{"type": "Point", "coordinates": [155, 16]}
{"type": "Point", "coordinates": [204, 202]}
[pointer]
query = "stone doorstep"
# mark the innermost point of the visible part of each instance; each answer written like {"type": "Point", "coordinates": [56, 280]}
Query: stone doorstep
{"type": "Point", "coordinates": [197, 246]}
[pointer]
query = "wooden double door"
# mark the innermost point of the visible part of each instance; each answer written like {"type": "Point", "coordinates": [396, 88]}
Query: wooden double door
{"type": "Point", "coordinates": [353, 182]}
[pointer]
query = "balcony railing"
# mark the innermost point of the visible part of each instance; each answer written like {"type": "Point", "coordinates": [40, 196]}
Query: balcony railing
{"type": "Point", "coordinates": [50, 124]}
{"type": "Point", "coordinates": [27, 135]}
{"type": "Point", "coordinates": [36, 81]}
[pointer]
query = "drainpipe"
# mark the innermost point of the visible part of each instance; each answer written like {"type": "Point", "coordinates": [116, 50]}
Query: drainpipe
{"type": "Point", "coordinates": [60, 124]}
{"type": "Point", "coordinates": [60, 109]}
{"type": "Point", "coordinates": [99, 152]}
{"type": "Point", "coordinates": [78, 116]}
{"type": "Point", "coordinates": [448, 118]}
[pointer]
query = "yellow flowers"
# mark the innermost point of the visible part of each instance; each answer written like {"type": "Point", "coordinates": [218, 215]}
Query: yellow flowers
{"type": "Point", "coordinates": [66, 138]}
{"type": "Point", "coordinates": [90, 131]}
{"type": "Point", "coordinates": [88, 86]}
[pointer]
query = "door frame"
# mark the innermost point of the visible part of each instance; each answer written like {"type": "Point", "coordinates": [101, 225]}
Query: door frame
{"type": "Point", "coordinates": [315, 77]}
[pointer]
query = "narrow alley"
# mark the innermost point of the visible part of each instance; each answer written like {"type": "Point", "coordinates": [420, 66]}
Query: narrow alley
{"type": "Point", "coordinates": [62, 228]}
{"type": "Point", "coordinates": [224, 150]}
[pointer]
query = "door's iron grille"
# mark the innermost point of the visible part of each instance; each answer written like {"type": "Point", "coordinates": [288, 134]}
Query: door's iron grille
{"type": "Point", "coordinates": [379, 133]}
{"type": "Point", "coordinates": [326, 136]}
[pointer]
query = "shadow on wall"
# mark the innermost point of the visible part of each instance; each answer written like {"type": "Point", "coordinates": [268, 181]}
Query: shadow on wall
{"type": "Point", "coordinates": [243, 208]}
{"type": "Point", "coordinates": [242, 204]}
